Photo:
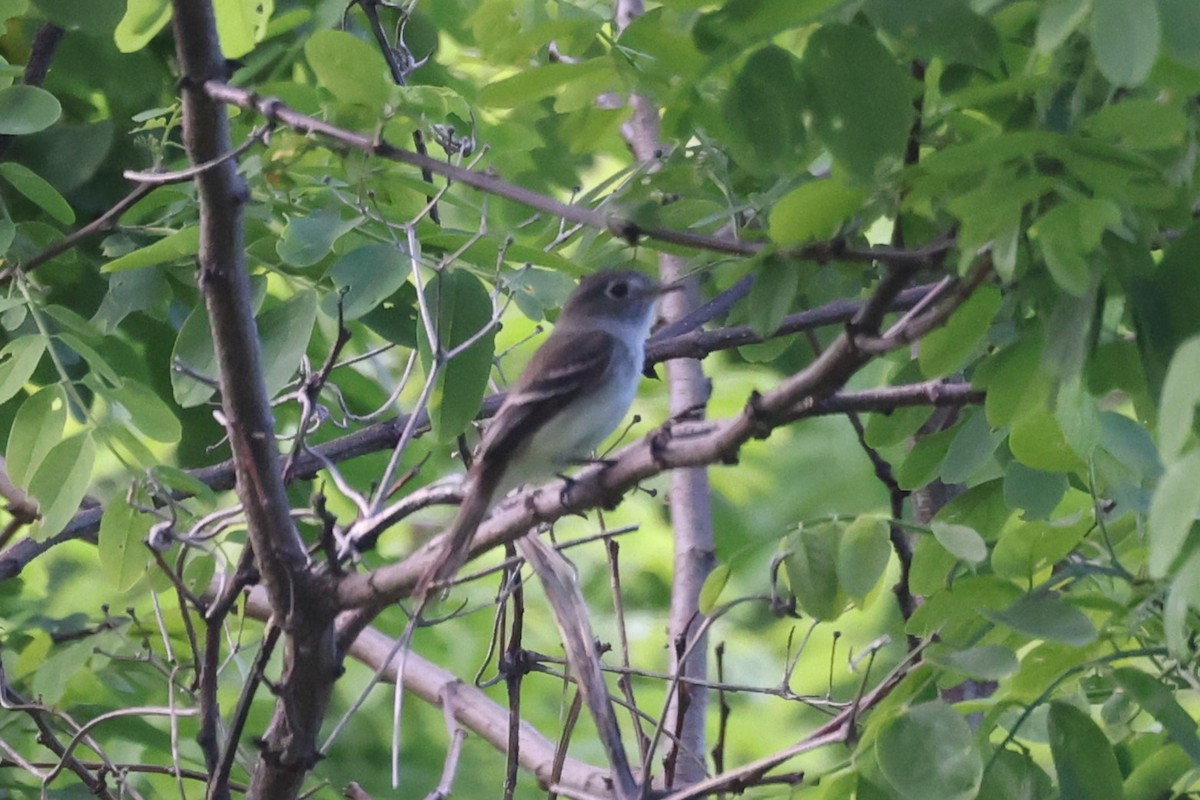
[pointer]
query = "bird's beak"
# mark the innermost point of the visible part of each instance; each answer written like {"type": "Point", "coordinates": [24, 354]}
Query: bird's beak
{"type": "Point", "coordinates": [673, 286]}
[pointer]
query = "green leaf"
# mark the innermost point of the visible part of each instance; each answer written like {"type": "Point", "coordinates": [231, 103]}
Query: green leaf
{"type": "Point", "coordinates": [1130, 443]}
{"type": "Point", "coordinates": [531, 85]}
{"type": "Point", "coordinates": [18, 360]}
{"type": "Point", "coordinates": [8, 233]}
{"type": "Point", "coordinates": [1034, 491]}
{"type": "Point", "coordinates": [96, 362]}
{"type": "Point", "coordinates": [396, 318]}
{"type": "Point", "coordinates": [954, 612]}
{"type": "Point", "coordinates": [1058, 20]}
{"type": "Point", "coordinates": [285, 331]}
{"type": "Point", "coordinates": [194, 351]}
{"type": "Point", "coordinates": [862, 104]}
{"type": "Point", "coordinates": [1153, 777]}
{"type": "Point", "coordinates": [929, 751]}
{"type": "Point", "coordinates": [462, 308]}
{"type": "Point", "coordinates": [431, 105]}
{"type": "Point", "coordinates": [989, 662]}
{"type": "Point", "coordinates": [1163, 298]}
{"type": "Point", "coordinates": [1024, 549]}
{"type": "Point", "coordinates": [120, 440]}
{"type": "Point", "coordinates": [763, 115]}
{"type": "Point", "coordinates": [12, 8]}
{"type": "Point", "coordinates": [773, 293]}
{"type": "Point", "coordinates": [123, 530]}
{"type": "Point", "coordinates": [1125, 38]}
{"type": "Point", "coordinates": [921, 464]}
{"type": "Point", "coordinates": [1083, 758]}
{"type": "Point", "coordinates": [962, 541]}
{"type": "Point", "coordinates": [38, 191]}
{"type": "Point", "coordinates": [308, 239]}
{"type": "Point", "coordinates": [973, 445]}
{"type": "Point", "coordinates": [714, 584]}
{"type": "Point", "coordinates": [885, 430]}
{"type": "Point", "coordinates": [1181, 30]}
{"type": "Point", "coordinates": [1014, 776]}
{"type": "Point", "coordinates": [945, 350]}
{"type": "Point", "coordinates": [177, 479]}
{"type": "Point", "coordinates": [142, 21]}
{"type": "Point", "coordinates": [1152, 695]}
{"type": "Point", "coordinates": [148, 412]}
{"type": "Point", "coordinates": [945, 29]}
{"type": "Point", "coordinates": [60, 483]}
{"type": "Point", "coordinates": [1183, 596]}
{"type": "Point", "coordinates": [1047, 617]}
{"type": "Point", "coordinates": [1038, 442]}
{"type": "Point", "coordinates": [980, 507]}
{"type": "Point", "coordinates": [863, 555]}
{"type": "Point", "coordinates": [1141, 123]}
{"type": "Point", "coordinates": [739, 23]}
{"type": "Point", "coordinates": [27, 109]}
{"type": "Point", "coordinates": [1078, 417]}
{"type": "Point", "coordinates": [811, 565]}
{"type": "Point", "coordinates": [37, 427]}
{"type": "Point", "coordinates": [1173, 512]}
{"type": "Point", "coordinates": [365, 277]}
{"type": "Point", "coordinates": [237, 21]}
{"type": "Point", "coordinates": [536, 290]}
{"type": "Point", "coordinates": [180, 244]}
{"type": "Point", "coordinates": [1013, 379]}
{"type": "Point", "coordinates": [96, 18]}
{"type": "Point", "coordinates": [1177, 404]}
{"type": "Point", "coordinates": [130, 291]}
{"type": "Point", "coordinates": [1070, 232]}
{"type": "Point", "coordinates": [351, 69]}
{"type": "Point", "coordinates": [814, 210]}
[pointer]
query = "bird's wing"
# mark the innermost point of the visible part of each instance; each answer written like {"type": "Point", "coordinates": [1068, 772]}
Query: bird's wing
{"type": "Point", "coordinates": [563, 369]}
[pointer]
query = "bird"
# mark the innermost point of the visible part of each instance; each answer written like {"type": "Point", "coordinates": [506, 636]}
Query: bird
{"type": "Point", "coordinates": [572, 395]}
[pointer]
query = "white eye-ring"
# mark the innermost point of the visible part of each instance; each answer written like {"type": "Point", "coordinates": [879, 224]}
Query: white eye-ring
{"type": "Point", "coordinates": [618, 290]}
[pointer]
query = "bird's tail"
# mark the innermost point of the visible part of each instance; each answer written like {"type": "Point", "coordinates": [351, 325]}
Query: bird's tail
{"type": "Point", "coordinates": [482, 484]}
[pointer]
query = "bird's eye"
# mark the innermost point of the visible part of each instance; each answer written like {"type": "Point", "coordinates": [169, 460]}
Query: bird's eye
{"type": "Point", "coordinates": [618, 290]}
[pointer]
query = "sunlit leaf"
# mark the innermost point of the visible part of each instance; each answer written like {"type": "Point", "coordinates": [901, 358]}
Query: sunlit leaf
{"type": "Point", "coordinates": [123, 554]}
{"type": "Point", "coordinates": [37, 427]}
{"type": "Point", "coordinates": [60, 482]}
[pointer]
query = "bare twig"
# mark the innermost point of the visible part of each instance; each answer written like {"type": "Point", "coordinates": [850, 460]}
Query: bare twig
{"type": "Point", "coordinates": [156, 179]}
{"type": "Point", "coordinates": [102, 223]}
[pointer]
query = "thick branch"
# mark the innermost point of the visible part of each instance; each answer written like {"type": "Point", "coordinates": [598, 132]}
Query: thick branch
{"type": "Point", "coordinates": [310, 658]}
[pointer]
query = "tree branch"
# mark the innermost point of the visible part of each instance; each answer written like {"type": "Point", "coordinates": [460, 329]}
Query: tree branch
{"type": "Point", "coordinates": [689, 497]}
{"type": "Point", "coordinates": [624, 228]}
{"type": "Point", "coordinates": [383, 435]}
{"type": "Point", "coordinates": [311, 661]}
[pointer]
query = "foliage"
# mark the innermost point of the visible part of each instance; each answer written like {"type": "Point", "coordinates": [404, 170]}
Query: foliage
{"type": "Point", "coordinates": [1055, 555]}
